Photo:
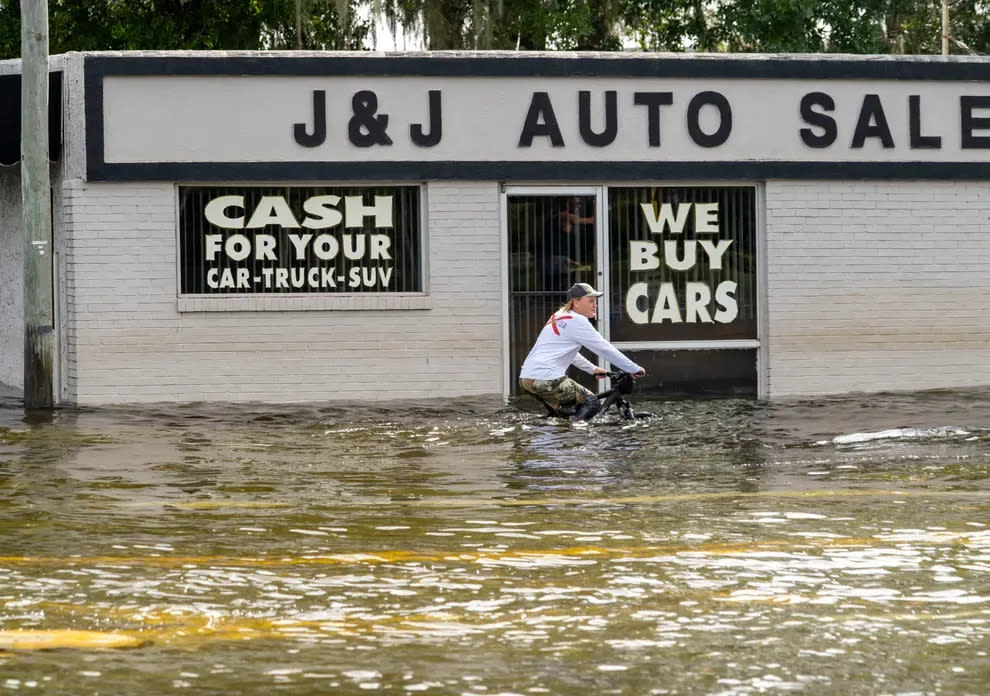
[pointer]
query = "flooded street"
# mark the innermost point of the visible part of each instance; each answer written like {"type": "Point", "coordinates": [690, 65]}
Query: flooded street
{"type": "Point", "coordinates": [835, 546]}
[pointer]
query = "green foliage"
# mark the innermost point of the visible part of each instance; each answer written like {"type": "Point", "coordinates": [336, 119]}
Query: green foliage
{"type": "Point", "coordinates": [854, 26]}
{"type": "Point", "coordinates": [10, 28]}
{"type": "Point", "coordinates": [572, 25]}
{"type": "Point", "coordinates": [564, 25]}
{"type": "Point", "coordinates": [848, 26]}
{"type": "Point", "coordinates": [668, 25]}
{"type": "Point", "coordinates": [792, 26]}
{"type": "Point", "coordinates": [971, 25]}
{"type": "Point", "coordinates": [771, 26]}
{"type": "Point", "coordinates": [96, 25]}
{"type": "Point", "coordinates": [806, 26]}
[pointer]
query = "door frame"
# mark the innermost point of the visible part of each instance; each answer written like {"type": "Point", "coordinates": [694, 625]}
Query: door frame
{"type": "Point", "coordinates": [601, 266]}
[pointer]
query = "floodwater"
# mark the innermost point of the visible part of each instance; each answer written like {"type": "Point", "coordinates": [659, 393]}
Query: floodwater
{"type": "Point", "coordinates": [834, 546]}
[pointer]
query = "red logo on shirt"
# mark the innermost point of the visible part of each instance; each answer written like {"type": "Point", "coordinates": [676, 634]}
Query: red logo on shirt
{"type": "Point", "coordinates": [552, 321]}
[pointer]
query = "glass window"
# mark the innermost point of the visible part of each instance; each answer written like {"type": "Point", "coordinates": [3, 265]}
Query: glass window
{"type": "Point", "coordinates": [683, 263]}
{"type": "Point", "coordinates": [299, 239]}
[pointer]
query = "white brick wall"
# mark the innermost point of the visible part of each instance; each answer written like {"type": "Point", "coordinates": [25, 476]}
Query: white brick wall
{"type": "Point", "coordinates": [877, 286]}
{"type": "Point", "coordinates": [11, 279]}
{"type": "Point", "coordinates": [128, 342]}
{"type": "Point", "coordinates": [871, 286]}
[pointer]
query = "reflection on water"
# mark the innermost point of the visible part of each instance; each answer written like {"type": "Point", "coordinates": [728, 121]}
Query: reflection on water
{"type": "Point", "coordinates": [729, 547]}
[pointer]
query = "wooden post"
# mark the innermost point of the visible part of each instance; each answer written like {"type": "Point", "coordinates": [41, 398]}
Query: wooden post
{"type": "Point", "coordinates": [945, 27]}
{"type": "Point", "coordinates": [36, 201]}
{"type": "Point", "coordinates": [299, 25]}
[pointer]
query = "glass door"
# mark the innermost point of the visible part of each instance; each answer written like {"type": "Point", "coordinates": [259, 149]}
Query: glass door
{"type": "Point", "coordinates": [552, 244]}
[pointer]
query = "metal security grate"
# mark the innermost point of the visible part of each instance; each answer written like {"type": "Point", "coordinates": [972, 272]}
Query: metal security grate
{"type": "Point", "coordinates": [552, 242]}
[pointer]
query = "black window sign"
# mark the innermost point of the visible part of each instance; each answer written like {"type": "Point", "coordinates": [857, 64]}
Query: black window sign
{"type": "Point", "coordinates": [237, 240]}
{"type": "Point", "coordinates": [683, 263]}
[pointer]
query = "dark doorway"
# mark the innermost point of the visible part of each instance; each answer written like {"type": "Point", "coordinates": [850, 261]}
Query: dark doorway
{"type": "Point", "coordinates": [552, 245]}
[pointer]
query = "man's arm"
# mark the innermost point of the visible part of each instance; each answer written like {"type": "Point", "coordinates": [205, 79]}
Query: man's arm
{"type": "Point", "coordinates": [593, 341]}
{"type": "Point", "coordinates": [583, 364]}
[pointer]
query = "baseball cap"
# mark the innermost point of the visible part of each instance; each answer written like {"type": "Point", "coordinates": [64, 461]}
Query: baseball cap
{"type": "Point", "coordinates": [582, 290]}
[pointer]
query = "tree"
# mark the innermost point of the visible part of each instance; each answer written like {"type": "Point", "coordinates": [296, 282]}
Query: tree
{"type": "Point", "coordinates": [797, 26]}
{"type": "Point", "coordinates": [10, 28]}
{"type": "Point", "coordinates": [97, 25]}
{"type": "Point", "coordinates": [805, 26]}
{"type": "Point", "coordinates": [668, 25]}
{"type": "Point", "coordinates": [771, 26]}
{"type": "Point", "coordinates": [970, 25]}
{"type": "Point", "coordinates": [572, 25]}
{"type": "Point", "coordinates": [847, 26]}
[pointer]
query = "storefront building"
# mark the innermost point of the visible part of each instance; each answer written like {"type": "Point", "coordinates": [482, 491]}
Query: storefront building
{"type": "Point", "coordinates": [309, 227]}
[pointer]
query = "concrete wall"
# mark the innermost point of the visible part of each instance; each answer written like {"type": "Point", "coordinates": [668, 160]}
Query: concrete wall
{"type": "Point", "coordinates": [871, 286]}
{"type": "Point", "coordinates": [11, 279]}
{"type": "Point", "coordinates": [129, 343]}
{"type": "Point", "coordinates": [877, 285]}
{"type": "Point", "coordinates": [71, 161]}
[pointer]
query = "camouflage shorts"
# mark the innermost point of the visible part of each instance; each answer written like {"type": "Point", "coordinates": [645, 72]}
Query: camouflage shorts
{"type": "Point", "coordinates": [561, 394]}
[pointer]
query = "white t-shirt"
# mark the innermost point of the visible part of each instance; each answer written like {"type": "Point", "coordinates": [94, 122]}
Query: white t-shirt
{"type": "Point", "coordinates": [558, 345]}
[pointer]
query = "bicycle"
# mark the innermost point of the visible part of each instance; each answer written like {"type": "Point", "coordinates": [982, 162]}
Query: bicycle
{"type": "Point", "coordinates": [622, 383]}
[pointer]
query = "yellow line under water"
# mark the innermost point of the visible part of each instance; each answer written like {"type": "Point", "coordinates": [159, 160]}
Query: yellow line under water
{"type": "Point", "coordinates": [186, 628]}
{"type": "Point", "coordinates": [442, 502]}
{"type": "Point", "coordinates": [678, 497]}
{"type": "Point", "coordinates": [62, 638]}
{"type": "Point", "coordinates": [220, 504]}
{"type": "Point", "coordinates": [406, 556]}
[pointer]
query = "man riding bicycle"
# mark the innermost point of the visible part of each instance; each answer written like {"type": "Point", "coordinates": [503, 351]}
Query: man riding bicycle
{"type": "Point", "coordinates": [544, 371]}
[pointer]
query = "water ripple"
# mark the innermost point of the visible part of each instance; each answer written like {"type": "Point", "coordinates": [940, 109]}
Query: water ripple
{"type": "Point", "coordinates": [837, 545]}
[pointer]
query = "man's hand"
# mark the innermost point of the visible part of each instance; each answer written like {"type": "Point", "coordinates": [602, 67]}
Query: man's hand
{"type": "Point", "coordinates": [641, 373]}
{"type": "Point", "coordinates": [600, 373]}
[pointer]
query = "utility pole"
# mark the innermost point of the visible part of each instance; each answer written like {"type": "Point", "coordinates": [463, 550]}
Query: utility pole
{"type": "Point", "coordinates": [36, 201]}
{"type": "Point", "coordinates": [298, 25]}
{"type": "Point", "coordinates": [945, 27]}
